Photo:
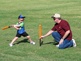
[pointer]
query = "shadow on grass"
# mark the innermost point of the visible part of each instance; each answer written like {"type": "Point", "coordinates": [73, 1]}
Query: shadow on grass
{"type": "Point", "coordinates": [53, 43]}
{"type": "Point", "coordinates": [22, 41]}
{"type": "Point", "coordinates": [48, 43]}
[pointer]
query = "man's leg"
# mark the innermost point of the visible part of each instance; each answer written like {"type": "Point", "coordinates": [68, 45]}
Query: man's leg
{"type": "Point", "coordinates": [11, 44]}
{"type": "Point", "coordinates": [66, 44]}
{"type": "Point", "coordinates": [56, 36]}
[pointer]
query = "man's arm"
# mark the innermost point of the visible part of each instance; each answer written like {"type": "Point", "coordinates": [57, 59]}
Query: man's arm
{"type": "Point", "coordinates": [65, 35]}
{"type": "Point", "coordinates": [47, 34]}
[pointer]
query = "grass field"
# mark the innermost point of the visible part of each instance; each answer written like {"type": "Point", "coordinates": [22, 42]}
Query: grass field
{"type": "Point", "coordinates": [38, 12]}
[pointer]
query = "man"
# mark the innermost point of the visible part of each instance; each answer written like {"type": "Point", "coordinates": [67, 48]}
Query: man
{"type": "Point", "coordinates": [20, 30]}
{"type": "Point", "coordinates": [61, 32]}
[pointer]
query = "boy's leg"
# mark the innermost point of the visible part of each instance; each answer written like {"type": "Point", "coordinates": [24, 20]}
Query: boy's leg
{"type": "Point", "coordinates": [56, 36]}
{"type": "Point", "coordinates": [17, 36]}
{"type": "Point", "coordinates": [11, 44]}
{"type": "Point", "coordinates": [29, 38]}
{"type": "Point", "coordinates": [66, 44]}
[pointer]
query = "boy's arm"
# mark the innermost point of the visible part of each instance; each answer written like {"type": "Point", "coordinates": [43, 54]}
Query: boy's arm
{"type": "Point", "coordinates": [17, 27]}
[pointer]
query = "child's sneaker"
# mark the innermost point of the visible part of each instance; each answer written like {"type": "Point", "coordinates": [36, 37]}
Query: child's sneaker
{"type": "Point", "coordinates": [32, 42]}
{"type": "Point", "coordinates": [74, 43]}
{"type": "Point", "coordinates": [10, 45]}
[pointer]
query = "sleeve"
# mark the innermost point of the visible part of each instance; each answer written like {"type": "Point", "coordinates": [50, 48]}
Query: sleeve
{"type": "Point", "coordinates": [66, 26]}
{"type": "Point", "coordinates": [53, 28]}
{"type": "Point", "coordinates": [22, 24]}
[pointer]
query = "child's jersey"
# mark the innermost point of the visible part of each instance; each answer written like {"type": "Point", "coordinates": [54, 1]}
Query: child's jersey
{"type": "Point", "coordinates": [22, 29]}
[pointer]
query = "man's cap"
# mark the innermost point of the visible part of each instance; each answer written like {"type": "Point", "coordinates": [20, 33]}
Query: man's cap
{"type": "Point", "coordinates": [56, 16]}
{"type": "Point", "coordinates": [20, 16]}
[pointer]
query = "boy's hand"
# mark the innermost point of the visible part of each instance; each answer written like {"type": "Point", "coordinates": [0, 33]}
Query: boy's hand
{"type": "Point", "coordinates": [17, 27]}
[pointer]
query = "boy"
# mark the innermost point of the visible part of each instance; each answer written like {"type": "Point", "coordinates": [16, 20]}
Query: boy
{"type": "Point", "coordinates": [20, 31]}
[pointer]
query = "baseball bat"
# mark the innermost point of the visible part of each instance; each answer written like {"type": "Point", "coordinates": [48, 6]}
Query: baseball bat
{"type": "Point", "coordinates": [6, 27]}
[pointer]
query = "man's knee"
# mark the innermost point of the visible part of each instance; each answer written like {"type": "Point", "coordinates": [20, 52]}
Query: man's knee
{"type": "Point", "coordinates": [61, 47]}
{"type": "Point", "coordinates": [54, 34]}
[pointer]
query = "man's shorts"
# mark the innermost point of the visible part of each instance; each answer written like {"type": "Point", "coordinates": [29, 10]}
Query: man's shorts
{"type": "Point", "coordinates": [23, 34]}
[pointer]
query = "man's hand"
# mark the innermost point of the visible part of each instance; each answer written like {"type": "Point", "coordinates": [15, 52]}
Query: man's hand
{"type": "Point", "coordinates": [41, 37]}
{"type": "Point", "coordinates": [61, 41]}
{"type": "Point", "coordinates": [49, 33]}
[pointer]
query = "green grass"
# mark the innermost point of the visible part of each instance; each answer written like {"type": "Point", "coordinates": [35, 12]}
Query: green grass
{"type": "Point", "coordinates": [38, 12]}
